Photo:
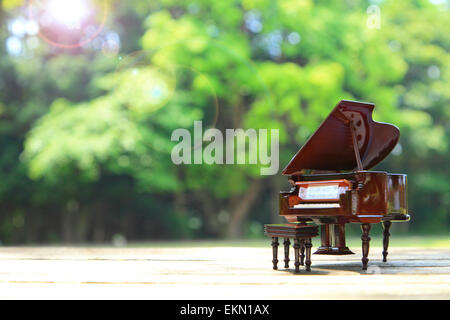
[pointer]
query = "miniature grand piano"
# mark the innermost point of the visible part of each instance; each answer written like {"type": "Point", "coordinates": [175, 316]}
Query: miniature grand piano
{"type": "Point", "coordinates": [331, 184]}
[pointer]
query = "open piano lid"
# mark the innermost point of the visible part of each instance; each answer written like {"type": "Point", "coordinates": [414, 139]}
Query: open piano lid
{"type": "Point", "coordinates": [330, 148]}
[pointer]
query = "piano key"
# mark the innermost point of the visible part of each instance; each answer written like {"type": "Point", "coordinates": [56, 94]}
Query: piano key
{"type": "Point", "coordinates": [317, 205]}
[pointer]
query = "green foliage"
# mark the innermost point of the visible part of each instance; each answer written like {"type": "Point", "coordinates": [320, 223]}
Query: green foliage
{"type": "Point", "coordinates": [73, 121]}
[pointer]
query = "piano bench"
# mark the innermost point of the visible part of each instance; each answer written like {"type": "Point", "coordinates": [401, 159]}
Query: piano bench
{"type": "Point", "coordinates": [301, 233]}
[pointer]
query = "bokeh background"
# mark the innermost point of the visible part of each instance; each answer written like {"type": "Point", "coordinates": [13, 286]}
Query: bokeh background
{"type": "Point", "coordinates": [90, 92]}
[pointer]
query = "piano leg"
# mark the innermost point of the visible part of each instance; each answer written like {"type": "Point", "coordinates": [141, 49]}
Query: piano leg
{"type": "Point", "coordinates": [287, 243]}
{"type": "Point", "coordinates": [297, 251]}
{"type": "Point", "coordinates": [275, 252]}
{"type": "Point", "coordinates": [340, 248]}
{"type": "Point", "coordinates": [308, 246]}
{"type": "Point", "coordinates": [386, 234]}
{"type": "Point", "coordinates": [365, 227]}
{"type": "Point", "coordinates": [325, 235]}
{"type": "Point", "coordinates": [302, 252]}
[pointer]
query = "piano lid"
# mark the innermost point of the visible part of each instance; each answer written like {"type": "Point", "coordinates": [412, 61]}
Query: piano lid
{"type": "Point", "coordinates": [331, 146]}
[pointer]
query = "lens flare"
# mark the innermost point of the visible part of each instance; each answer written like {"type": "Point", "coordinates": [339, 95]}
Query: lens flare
{"type": "Point", "coordinates": [69, 12]}
{"type": "Point", "coordinates": [68, 23]}
{"type": "Point", "coordinates": [143, 87]}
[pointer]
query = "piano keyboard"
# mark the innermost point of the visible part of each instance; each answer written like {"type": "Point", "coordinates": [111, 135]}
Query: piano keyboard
{"type": "Point", "coordinates": [317, 205]}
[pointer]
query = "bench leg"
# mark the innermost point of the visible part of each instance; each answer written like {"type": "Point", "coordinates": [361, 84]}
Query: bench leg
{"type": "Point", "coordinates": [275, 252]}
{"type": "Point", "coordinates": [297, 254]}
{"type": "Point", "coordinates": [302, 252]}
{"type": "Point", "coordinates": [287, 243]}
{"type": "Point", "coordinates": [308, 246]}
{"type": "Point", "coordinates": [386, 234]}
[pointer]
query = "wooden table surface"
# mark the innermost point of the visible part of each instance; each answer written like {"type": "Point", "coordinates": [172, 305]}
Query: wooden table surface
{"type": "Point", "coordinates": [217, 273]}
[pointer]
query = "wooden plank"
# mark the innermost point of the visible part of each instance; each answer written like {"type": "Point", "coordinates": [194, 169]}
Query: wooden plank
{"type": "Point", "coordinates": [218, 273]}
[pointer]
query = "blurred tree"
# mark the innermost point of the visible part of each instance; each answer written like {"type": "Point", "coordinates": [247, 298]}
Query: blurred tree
{"type": "Point", "coordinates": [424, 102]}
{"type": "Point", "coordinates": [100, 154]}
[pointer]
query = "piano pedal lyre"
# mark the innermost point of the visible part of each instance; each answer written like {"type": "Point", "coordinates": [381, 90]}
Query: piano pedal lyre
{"type": "Point", "coordinates": [337, 234]}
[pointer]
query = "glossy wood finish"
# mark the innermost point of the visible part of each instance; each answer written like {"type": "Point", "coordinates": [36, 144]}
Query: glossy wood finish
{"type": "Point", "coordinates": [301, 233]}
{"type": "Point", "coordinates": [297, 246]}
{"type": "Point", "coordinates": [302, 252]}
{"type": "Point", "coordinates": [365, 227]}
{"type": "Point", "coordinates": [371, 200]}
{"type": "Point", "coordinates": [308, 246]}
{"type": "Point", "coordinates": [291, 230]}
{"type": "Point", "coordinates": [348, 139]}
{"type": "Point", "coordinates": [286, 243]}
{"type": "Point", "coordinates": [325, 237]}
{"type": "Point", "coordinates": [376, 197]}
{"type": "Point", "coordinates": [340, 247]}
{"type": "Point", "coordinates": [386, 234]}
{"type": "Point", "coordinates": [397, 194]}
{"type": "Point", "coordinates": [275, 252]}
{"type": "Point", "coordinates": [330, 147]}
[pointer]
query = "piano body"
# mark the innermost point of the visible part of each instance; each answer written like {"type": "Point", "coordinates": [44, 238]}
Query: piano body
{"type": "Point", "coordinates": [332, 184]}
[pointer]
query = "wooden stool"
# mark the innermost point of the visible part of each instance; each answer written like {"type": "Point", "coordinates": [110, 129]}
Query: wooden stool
{"type": "Point", "coordinates": [301, 233]}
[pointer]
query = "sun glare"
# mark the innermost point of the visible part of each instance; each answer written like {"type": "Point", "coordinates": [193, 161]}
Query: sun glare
{"type": "Point", "coordinates": [71, 13]}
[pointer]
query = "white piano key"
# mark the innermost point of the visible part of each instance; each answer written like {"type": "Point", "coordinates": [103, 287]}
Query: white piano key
{"type": "Point", "coordinates": [317, 205]}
